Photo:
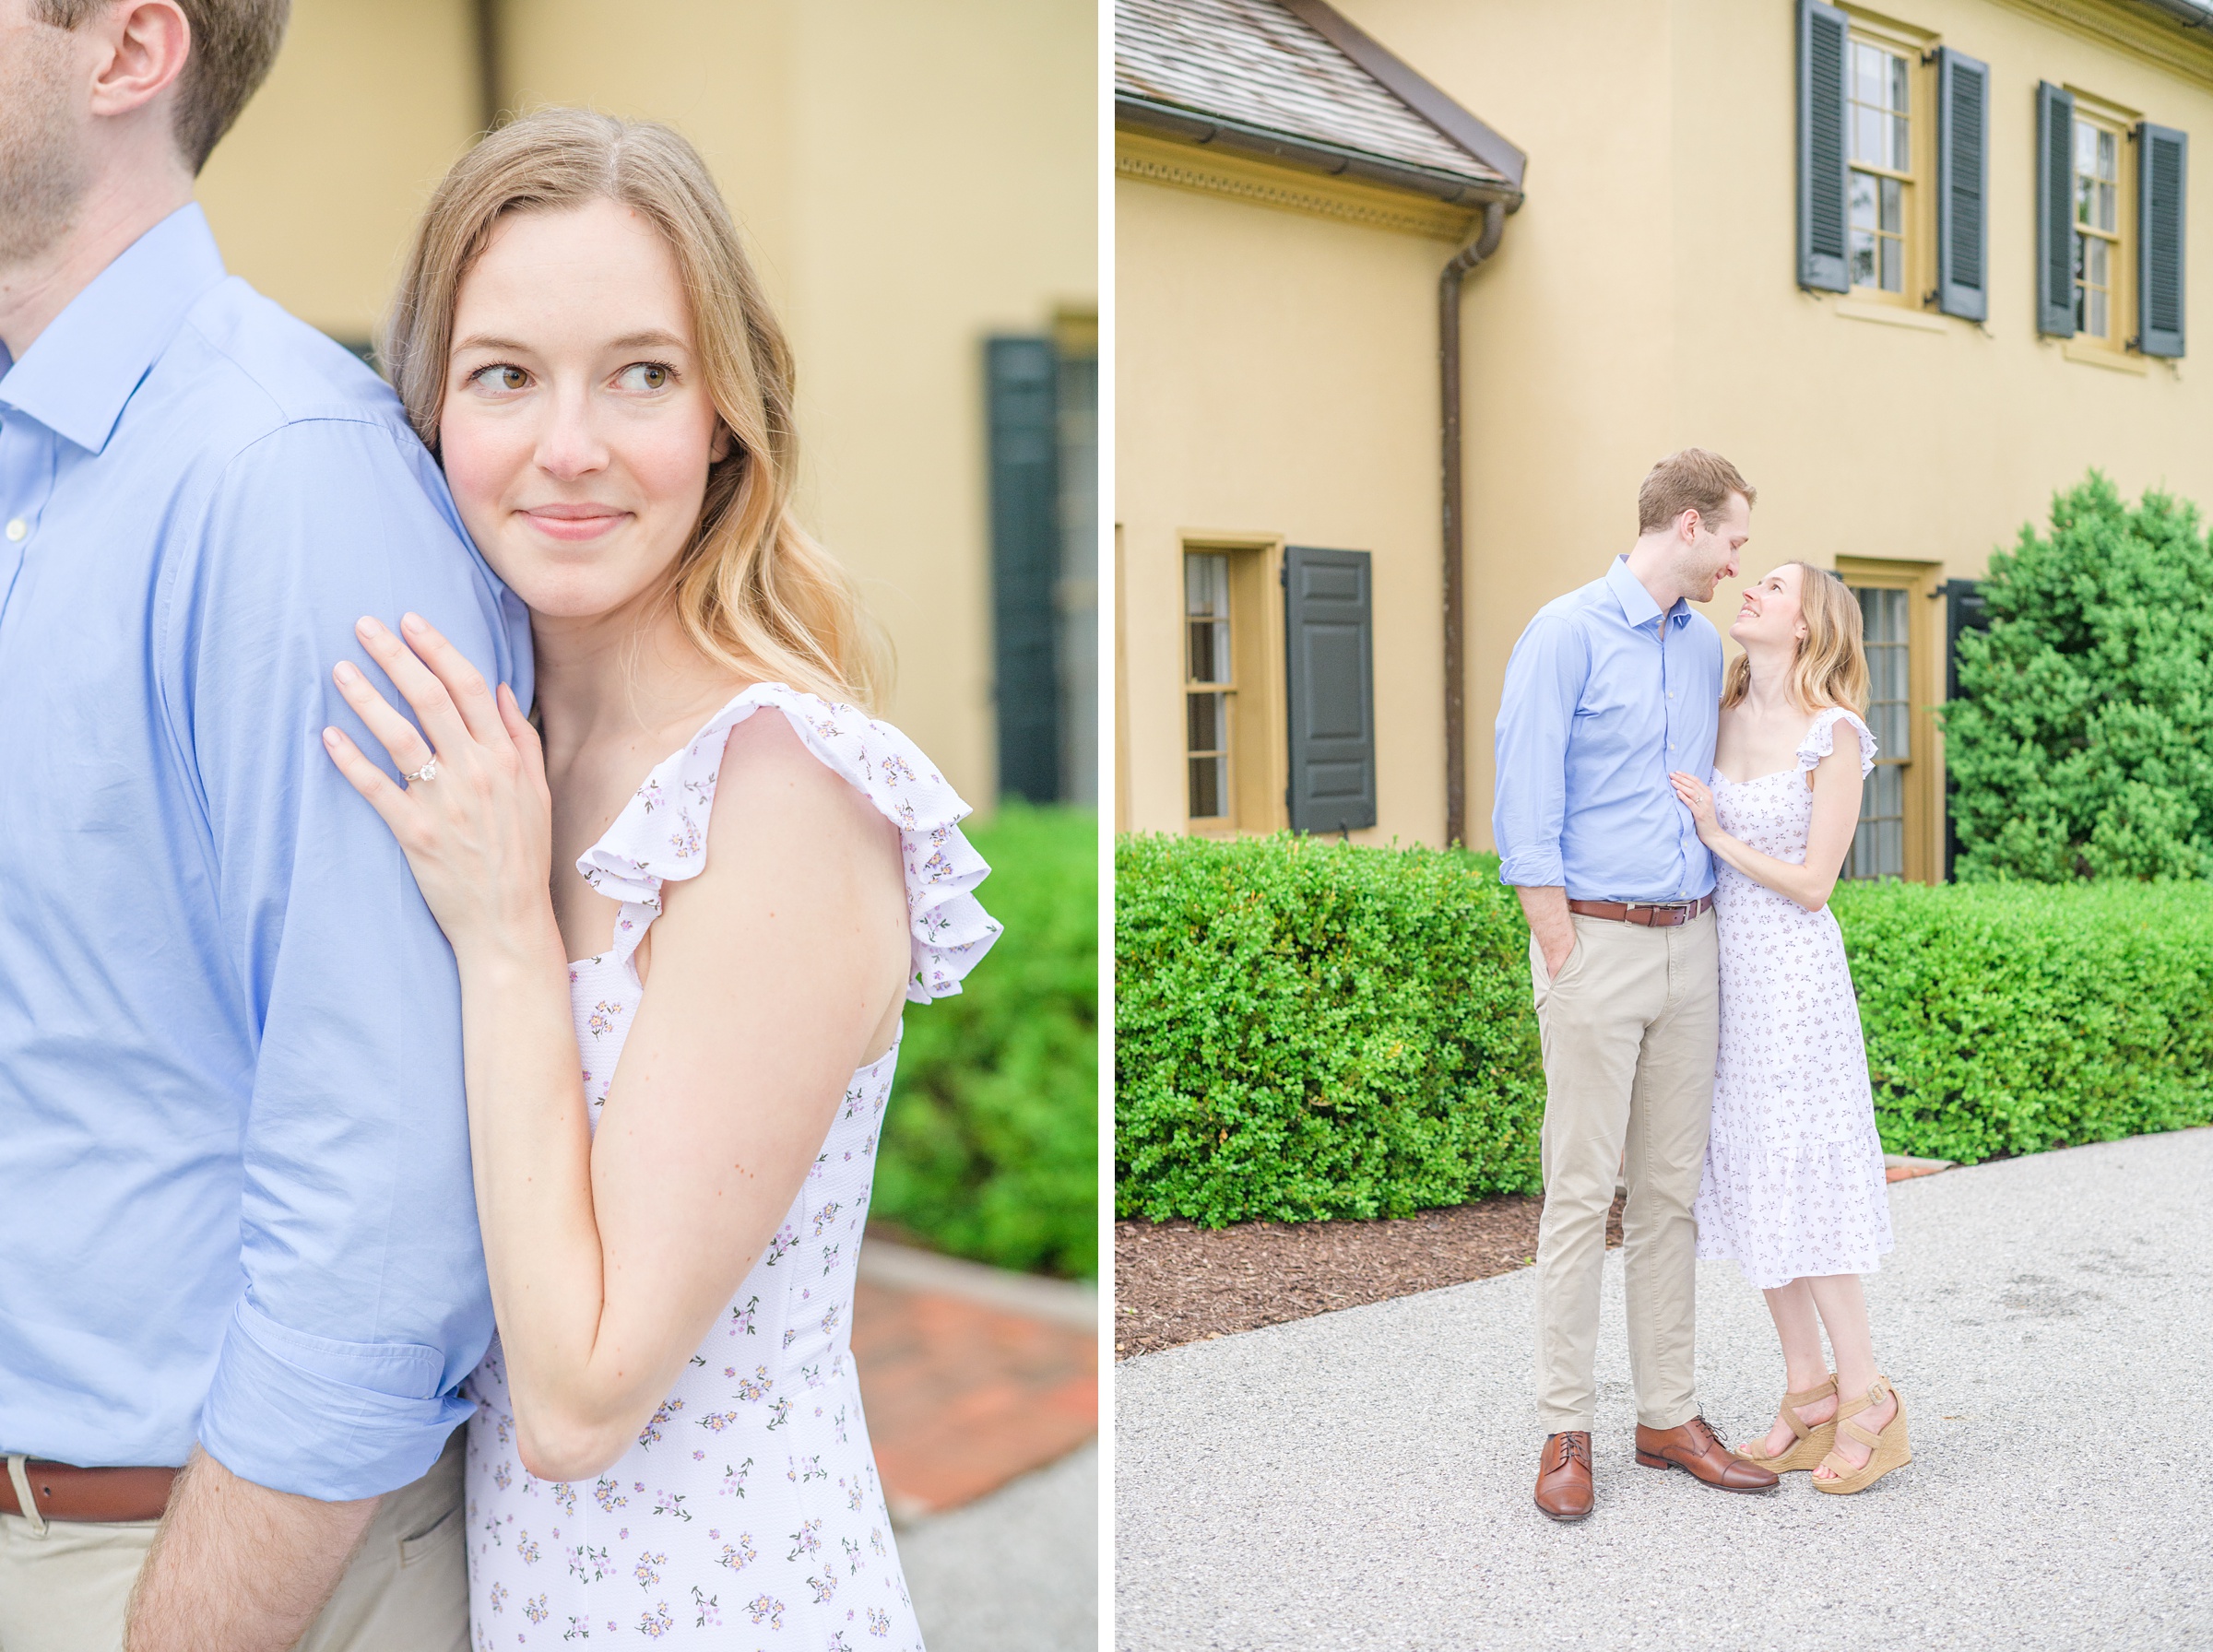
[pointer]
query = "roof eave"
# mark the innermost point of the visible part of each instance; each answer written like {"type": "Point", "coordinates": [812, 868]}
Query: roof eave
{"type": "Point", "coordinates": [1211, 131]}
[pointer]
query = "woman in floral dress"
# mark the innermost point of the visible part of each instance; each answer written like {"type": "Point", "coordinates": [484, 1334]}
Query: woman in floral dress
{"type": "Point", "coordinates": [669, 1443]}
{"type": "Point", "coordinates": [1793, 1189]}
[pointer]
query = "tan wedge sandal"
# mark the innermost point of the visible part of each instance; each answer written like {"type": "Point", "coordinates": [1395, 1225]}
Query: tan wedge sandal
{"type": "Point", "coordinates": [1887, 1450]}
{"type": "Point", "coordinates": [1811, 1442]}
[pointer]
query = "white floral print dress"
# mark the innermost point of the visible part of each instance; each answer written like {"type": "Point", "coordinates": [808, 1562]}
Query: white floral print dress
{"type": "Point", "coordinates": [1794, 1182]}
{"type": "Point", "coordinates": [748, 1514]}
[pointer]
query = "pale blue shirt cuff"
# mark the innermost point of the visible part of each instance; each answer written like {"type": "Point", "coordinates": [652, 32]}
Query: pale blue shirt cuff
{"type": "Point", "coordinates": [326, 1418]}
{"type": "Point", "coordinates": [1532, 868]}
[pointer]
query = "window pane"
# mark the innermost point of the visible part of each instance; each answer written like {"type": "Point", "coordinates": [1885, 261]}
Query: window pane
{"type": "Point", "coordinates": [2105, 220]}
{"type": "Point", "coordinates": [2084, 189]}
{"type": "Point", "coordinates": [1901, 148]}
{"type": "Point", "coordinates": [1867, 67]}
{"type": "Point", "coordinates": [1869, 135]}
{"type": "Point", "coordinates": [1894, 265]}
{"type": "Point", "coordinates": [1206, 723]}
{"type": "Point", "coordinates": [2097, 261]}
{"type": "Point", "coordinates": [1210, 651]}
{"type": "Point", "coordinates": [1209, 788]}
{"type": "Point", "coordinates": [1863, 201]}
{"type": "Point", "coordinates": [2097, 324]}
{"type": "Point", "coordinates": [1893, 197]}
{"type": "Point", "coordinates": [1863, 257]}
{"type": "Point", "coordinates": [2086, 147]}
{"type": "Point", "coordinates": [1206, 584]}
{"type": "Point", "coordinates": [2109, 164]}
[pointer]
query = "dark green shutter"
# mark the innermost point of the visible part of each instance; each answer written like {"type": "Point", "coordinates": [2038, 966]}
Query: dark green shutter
{"type": "Point", "coordinates": [1025, 563]}
{"type": "Point", "coordinates": [2162, 174]}
{"type": "Point", "coordinates": [2054, 211]}
{"type": "Point", "coordinates": [1962, 185]}
{"type": "Point", "coordinates": [1823, 34]}
{"type": "Point", "coordinates": [1330, 654]}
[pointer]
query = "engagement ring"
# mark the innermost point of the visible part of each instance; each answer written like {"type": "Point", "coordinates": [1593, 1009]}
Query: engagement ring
{"type": "Point", "coordinates": [427, 772]}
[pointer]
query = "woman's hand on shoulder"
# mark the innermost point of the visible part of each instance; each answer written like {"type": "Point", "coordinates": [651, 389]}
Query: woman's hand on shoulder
{"type": "Point", "coordinates": [476, 827]}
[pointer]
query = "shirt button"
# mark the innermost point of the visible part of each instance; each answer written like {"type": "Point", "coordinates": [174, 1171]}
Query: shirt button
{"type": "Point", "coordinates": [18, 528]}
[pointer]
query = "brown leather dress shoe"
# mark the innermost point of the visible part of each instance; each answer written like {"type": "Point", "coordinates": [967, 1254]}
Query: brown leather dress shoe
{"type": "Point", "coordinates": [1693, 1447]}
{"type": "Point", "coordinates": [1564, 1476]}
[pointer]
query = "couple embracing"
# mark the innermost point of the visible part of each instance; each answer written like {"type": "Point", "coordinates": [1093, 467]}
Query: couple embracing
{"type": "Point", "coordinates": [1673, 831]}
{"type": "Point", "coordinates": [369, 757]}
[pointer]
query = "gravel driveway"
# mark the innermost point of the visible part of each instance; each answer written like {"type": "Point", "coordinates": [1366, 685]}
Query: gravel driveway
{"type": "Point", "coordinates": [1362, 1479]}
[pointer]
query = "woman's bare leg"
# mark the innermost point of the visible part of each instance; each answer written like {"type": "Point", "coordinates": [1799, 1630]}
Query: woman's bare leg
{"type": "Point", "coordinates": [1799, 1329]}
{"type": "Point", "coordinates": [1843, 1308]}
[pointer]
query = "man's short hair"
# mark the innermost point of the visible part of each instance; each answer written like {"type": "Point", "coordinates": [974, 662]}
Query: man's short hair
{"type": "Point", "coordinates": [1692, 480]}
{"type": "Point", "coordinates": [233, 44]}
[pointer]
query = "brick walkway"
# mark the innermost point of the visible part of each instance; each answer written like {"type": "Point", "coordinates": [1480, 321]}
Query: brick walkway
{"type": "Point", "coordinates": [971, 1377]}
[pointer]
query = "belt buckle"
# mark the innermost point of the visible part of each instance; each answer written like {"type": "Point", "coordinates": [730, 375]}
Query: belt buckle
{"type": "Point", "coordinates": [1680, 908]}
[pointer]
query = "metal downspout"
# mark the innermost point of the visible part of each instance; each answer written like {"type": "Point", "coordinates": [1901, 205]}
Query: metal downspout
{"type": "Point", "coordinates": [1448, 286]}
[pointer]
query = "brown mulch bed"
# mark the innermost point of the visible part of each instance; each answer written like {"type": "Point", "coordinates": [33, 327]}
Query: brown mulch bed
{"type": "Point", "coordinates": [1174, 1282]}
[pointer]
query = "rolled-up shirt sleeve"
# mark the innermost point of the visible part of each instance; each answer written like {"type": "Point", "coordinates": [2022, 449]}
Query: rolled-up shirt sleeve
{"type": "Point", "coordinates": [1537, 715]}
{"type": "Point", "coordinates": [364, 1302]}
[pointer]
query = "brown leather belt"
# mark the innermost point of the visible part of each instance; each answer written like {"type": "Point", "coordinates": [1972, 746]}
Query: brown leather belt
{"type": "Point", "coordinates": [1653, 915]}
{"type": "Point", "coordinates": [63, 1493]}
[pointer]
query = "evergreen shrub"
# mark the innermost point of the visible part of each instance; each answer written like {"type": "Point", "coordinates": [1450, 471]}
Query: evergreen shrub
{"type": "Point", "coordinates": [990, 1143]}
{"type": "Point", "coordinates": [1307, 1030]}
{"type": "Point", "coordinates": [2082, 739]}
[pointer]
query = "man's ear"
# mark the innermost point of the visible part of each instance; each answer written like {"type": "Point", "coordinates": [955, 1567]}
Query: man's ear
{"type": "Point", "coordinates": [147, 43]}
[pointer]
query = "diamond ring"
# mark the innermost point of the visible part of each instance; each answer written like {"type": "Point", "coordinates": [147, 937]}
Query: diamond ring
{"type": "Point", "coordinates": [427, 772]}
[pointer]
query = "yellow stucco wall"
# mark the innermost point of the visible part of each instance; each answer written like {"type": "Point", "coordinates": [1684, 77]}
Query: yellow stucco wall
{"type": "Point", "coordinates": [912, 178]}
{"type": "Point", "coordinates": [314, 193]}
{"type": "Point", "coordinates": [1276, 374]}
{"type": "Point", "coordinates": [1643, 298]}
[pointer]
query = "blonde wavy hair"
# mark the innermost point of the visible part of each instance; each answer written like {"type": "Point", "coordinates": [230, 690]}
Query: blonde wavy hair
{"type": "Point", "coordinates": [1831, 665]}
{"type": "Point", "coordinates": [752, 590]}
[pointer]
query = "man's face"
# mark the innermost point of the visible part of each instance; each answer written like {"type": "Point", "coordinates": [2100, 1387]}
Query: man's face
{"type": "Point", "coordinates": [1711, 555]}
{"type": "Point", "coordinates": [45, 90]}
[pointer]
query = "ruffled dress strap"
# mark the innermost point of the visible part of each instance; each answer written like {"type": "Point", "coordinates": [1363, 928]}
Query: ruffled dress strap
{"type": "Point", "coordinates": [660, 835]}
{"type": "Point", "coordinates": [1821, 739]}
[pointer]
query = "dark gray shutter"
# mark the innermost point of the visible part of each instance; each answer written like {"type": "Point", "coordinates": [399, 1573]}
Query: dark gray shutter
{"type": "Point", "coordinates": [1330, 652]}
{"type": "Point", "coordinates": [1962, 185]}
{"type": "Point", "coordinates": [1025, 563]}
{"type": "Point", "coordinates": [1823, 34]}
{"type": "Point", "coordinates": [2163, 172]}
{"type": "Point", "coordinates": [2054, 211]}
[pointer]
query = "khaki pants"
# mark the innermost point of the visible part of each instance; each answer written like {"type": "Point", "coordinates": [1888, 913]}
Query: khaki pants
{"type": "Point", "coordinates": [1629, 1028]}
{"type": "Point", "coordinates": [66, 1589]}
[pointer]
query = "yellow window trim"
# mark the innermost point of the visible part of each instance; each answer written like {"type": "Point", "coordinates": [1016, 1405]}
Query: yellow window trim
{"type": "Point", "coordinates": [1924, 680]}
{"type": "Point", "coordinates": [1259, 752]}
{"type": "Point", "coordinates": [1913, 44]}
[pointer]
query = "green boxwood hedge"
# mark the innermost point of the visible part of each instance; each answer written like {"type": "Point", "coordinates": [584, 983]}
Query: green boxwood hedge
{"type": "Point", "coordinates": [1307, 1030]}
{"type": "Point", "coordinates": [990, 1143]}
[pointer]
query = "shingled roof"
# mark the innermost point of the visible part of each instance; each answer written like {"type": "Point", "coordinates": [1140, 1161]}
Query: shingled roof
{"type": "Point", "coordinates": [1297, 82]}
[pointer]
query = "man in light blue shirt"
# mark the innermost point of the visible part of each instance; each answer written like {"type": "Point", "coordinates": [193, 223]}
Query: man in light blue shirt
{"type": "Point", "coordinates": [240, 1231]}
{"type": "Point", "coordinates": [1610, 688]}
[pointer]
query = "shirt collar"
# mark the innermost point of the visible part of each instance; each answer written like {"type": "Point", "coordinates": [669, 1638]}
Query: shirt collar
{"type": "Point", "coordinates": [80, 373]}
{"type": "Point", "coordinates": [1637, 603]}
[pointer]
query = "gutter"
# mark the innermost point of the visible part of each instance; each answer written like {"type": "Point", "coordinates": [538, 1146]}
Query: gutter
{"type": "Point", "coordinates": [1307, 154]}
{"type": "Point", "coordinates": [1448, 286]}
{"type": "Point", "coordinates": [2190, 14]}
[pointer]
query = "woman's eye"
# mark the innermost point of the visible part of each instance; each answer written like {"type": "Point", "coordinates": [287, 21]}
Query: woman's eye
{"type": "Point", "coordinates": [647, 375]}
{"type": "Point", "coordinates": [502, 377]}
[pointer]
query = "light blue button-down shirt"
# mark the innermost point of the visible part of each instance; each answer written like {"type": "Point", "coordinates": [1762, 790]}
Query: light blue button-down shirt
{"type": "Point", "coordinates": [1604, 696]}
{"type": "Point", "coordinates": [233, 1149]}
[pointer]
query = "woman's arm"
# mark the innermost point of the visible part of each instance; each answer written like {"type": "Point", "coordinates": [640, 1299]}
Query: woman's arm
{"type": "Point", "coordinates": [1835, 781]}
{"type": "Point", "coordinates": [772, 971]}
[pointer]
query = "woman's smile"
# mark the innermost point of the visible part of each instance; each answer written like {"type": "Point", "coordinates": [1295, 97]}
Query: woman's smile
{"type": "Point", "coordinates": [574, 523]}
